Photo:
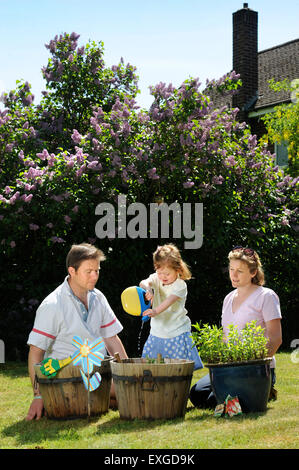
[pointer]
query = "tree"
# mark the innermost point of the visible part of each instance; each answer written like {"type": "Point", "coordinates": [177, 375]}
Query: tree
{"type": "Point", "coordinates": [77, 81]}
{"type": "Point", "coordinates": [283, 123]}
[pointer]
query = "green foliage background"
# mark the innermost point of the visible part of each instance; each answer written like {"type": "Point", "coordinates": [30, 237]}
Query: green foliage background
{"type": "Point", "coordinates": [87, 142]}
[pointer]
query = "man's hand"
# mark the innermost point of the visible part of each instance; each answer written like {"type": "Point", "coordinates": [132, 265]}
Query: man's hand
{"type": "Point", "coordinates": [35, 410]}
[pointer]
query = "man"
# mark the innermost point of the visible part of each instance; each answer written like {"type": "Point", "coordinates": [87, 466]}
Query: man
{"type": "Point", "coordinates": [74, 308]}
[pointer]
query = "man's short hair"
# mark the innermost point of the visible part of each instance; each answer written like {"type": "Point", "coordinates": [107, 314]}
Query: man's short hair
{"type": "Point", "coordinates": [82, 252]}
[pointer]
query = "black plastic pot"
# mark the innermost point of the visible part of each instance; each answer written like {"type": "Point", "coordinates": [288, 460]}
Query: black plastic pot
{"type": "Point", "coordinates": [249, 381]}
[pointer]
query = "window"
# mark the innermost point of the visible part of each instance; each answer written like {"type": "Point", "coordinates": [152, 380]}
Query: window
{"type": "Point", "coordinates": [281, 151]}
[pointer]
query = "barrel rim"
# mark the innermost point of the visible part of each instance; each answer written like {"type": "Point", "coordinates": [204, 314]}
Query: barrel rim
{"type": "Point", "coordinates": [56, 380]}
{"type": "Point", "coordinates": [131, 360]}
{"type": "Point", "coordinates": [265, 360]}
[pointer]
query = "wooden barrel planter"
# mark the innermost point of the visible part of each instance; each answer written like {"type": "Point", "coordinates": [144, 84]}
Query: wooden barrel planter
{"type": "Point", "coordinates": [152, 390]}
{"type": "Point", "coordinates": [65, 396]}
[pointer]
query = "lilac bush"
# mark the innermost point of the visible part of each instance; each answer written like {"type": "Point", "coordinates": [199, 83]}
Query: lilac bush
{"type": "Point", "coordinates": [88, 141]}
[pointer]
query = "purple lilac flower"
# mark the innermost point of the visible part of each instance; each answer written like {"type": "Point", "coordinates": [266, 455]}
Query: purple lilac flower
{"type": "Point", "coordinates": [33, 227]}
{"type": "Point", "coordinates": [252, 141]}
{"type": "Point", "coordinates": [188, 184]}
{"type": "Point", "coordinates": [76, 136]}
{"type": "Point", "coordinates": [43, 155]}
{"type": "Point", "coordinates": [27, 198]}
{"type": "Point", "coordinates": [58, 198]}
{"type": "Point", "coordinates": [74, 36]}
{"type": "Point", "coordinates": [230, 161]}
{"type": "Point", "coordinates": [152, 174]}
{"type": "Point", "coordinates": [27, 100]}
{"type": "Point", "coordinates": [284, 221]}
{"type": "Point", "coordinates": [94, 165]}
{"type": "Point", "coordinates": [70, 163]}
{"type": "Point", "coordinates": [217, 179]}
{"type": "Point", "coordinates": [9, 147]}
{"type": "Point", "coordinates": [13, 199]}
{"type": "Point", "coordinates": [57, 240]}
{"type": "Point", "coordinates": [257, 165]}
{"type": "Point", "coordinates": [51, 160]}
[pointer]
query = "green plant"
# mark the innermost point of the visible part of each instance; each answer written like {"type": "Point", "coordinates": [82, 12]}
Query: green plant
{"type": "Point", "coordinates": [282, 123]}
{"type": "Point", "coordinates": [214, 347]}
{"type": "Point", "coordinates": [150, 360]}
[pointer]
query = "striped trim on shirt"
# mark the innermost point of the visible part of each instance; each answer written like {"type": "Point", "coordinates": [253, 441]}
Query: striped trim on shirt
{"type": "Point", "coordinates": [109, 324]}
{"type": "Point", "coordinates": [43, 333]}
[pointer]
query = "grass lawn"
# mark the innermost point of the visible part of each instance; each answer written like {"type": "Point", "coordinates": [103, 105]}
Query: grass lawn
{"type": "Point", "coordinates": [277, 428]}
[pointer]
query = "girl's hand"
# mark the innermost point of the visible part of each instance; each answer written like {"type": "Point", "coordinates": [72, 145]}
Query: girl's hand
{"type": "Point", "coordinates": [150, 312]}
{"type": "Point", "coordinates": [149, 295]}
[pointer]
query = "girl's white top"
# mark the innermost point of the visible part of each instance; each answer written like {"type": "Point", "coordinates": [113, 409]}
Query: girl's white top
{"type": "Point", "coordinates": [174, 320]}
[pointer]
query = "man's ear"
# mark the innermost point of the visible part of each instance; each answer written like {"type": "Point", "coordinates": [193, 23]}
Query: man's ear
{"type": "Point", "coordinates": [71, 271]}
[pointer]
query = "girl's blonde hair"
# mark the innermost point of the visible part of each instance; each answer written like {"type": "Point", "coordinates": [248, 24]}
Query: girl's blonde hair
{"type": "Point", "coordinates": [252, 259]}
{"type": "Point", "coordinates": [170, 255]}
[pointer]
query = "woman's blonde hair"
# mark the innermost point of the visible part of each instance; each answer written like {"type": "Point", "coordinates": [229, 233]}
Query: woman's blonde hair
{"type": "Point", "coordinates": [170, 255]}
{"type": "Point", "coordinates": [252, 259]}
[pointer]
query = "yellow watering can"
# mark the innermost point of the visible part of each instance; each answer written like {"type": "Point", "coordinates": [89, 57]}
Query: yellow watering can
{"type": "Point", "coordinates": [134, 302]}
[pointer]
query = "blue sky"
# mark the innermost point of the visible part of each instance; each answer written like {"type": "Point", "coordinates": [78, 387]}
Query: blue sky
{"type": "Point", "coordinates": [167, 40]}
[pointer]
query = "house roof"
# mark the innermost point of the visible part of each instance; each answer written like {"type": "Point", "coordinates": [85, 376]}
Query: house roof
{"type": "Point", "coordinates": [279, 62]}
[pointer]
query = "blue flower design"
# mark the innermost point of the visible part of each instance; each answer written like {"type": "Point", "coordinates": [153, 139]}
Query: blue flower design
{"type": "Point", "coordinates": [87, 354]}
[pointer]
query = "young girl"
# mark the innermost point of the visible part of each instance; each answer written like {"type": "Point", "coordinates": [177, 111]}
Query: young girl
{"type": "Point", "coordinates": [170, 326]}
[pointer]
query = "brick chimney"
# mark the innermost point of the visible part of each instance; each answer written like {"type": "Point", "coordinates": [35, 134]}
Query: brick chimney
{"type": "Point", "coordinates": [245, 57]}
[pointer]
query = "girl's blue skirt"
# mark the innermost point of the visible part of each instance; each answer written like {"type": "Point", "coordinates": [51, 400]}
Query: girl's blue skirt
{"type": "Point", "coordinates": [179, 347]}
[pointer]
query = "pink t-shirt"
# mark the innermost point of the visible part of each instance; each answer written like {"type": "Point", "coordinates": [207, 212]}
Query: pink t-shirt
{"type": "Point", "coordinates": [262, 305]}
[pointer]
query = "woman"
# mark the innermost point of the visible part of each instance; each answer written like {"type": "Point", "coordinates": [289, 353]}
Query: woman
{"type": "Point", "coordinates": [248, 301]}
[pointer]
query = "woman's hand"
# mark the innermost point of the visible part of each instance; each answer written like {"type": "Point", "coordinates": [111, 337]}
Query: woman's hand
{"type": "Point", "coordinates": [273, 330]}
